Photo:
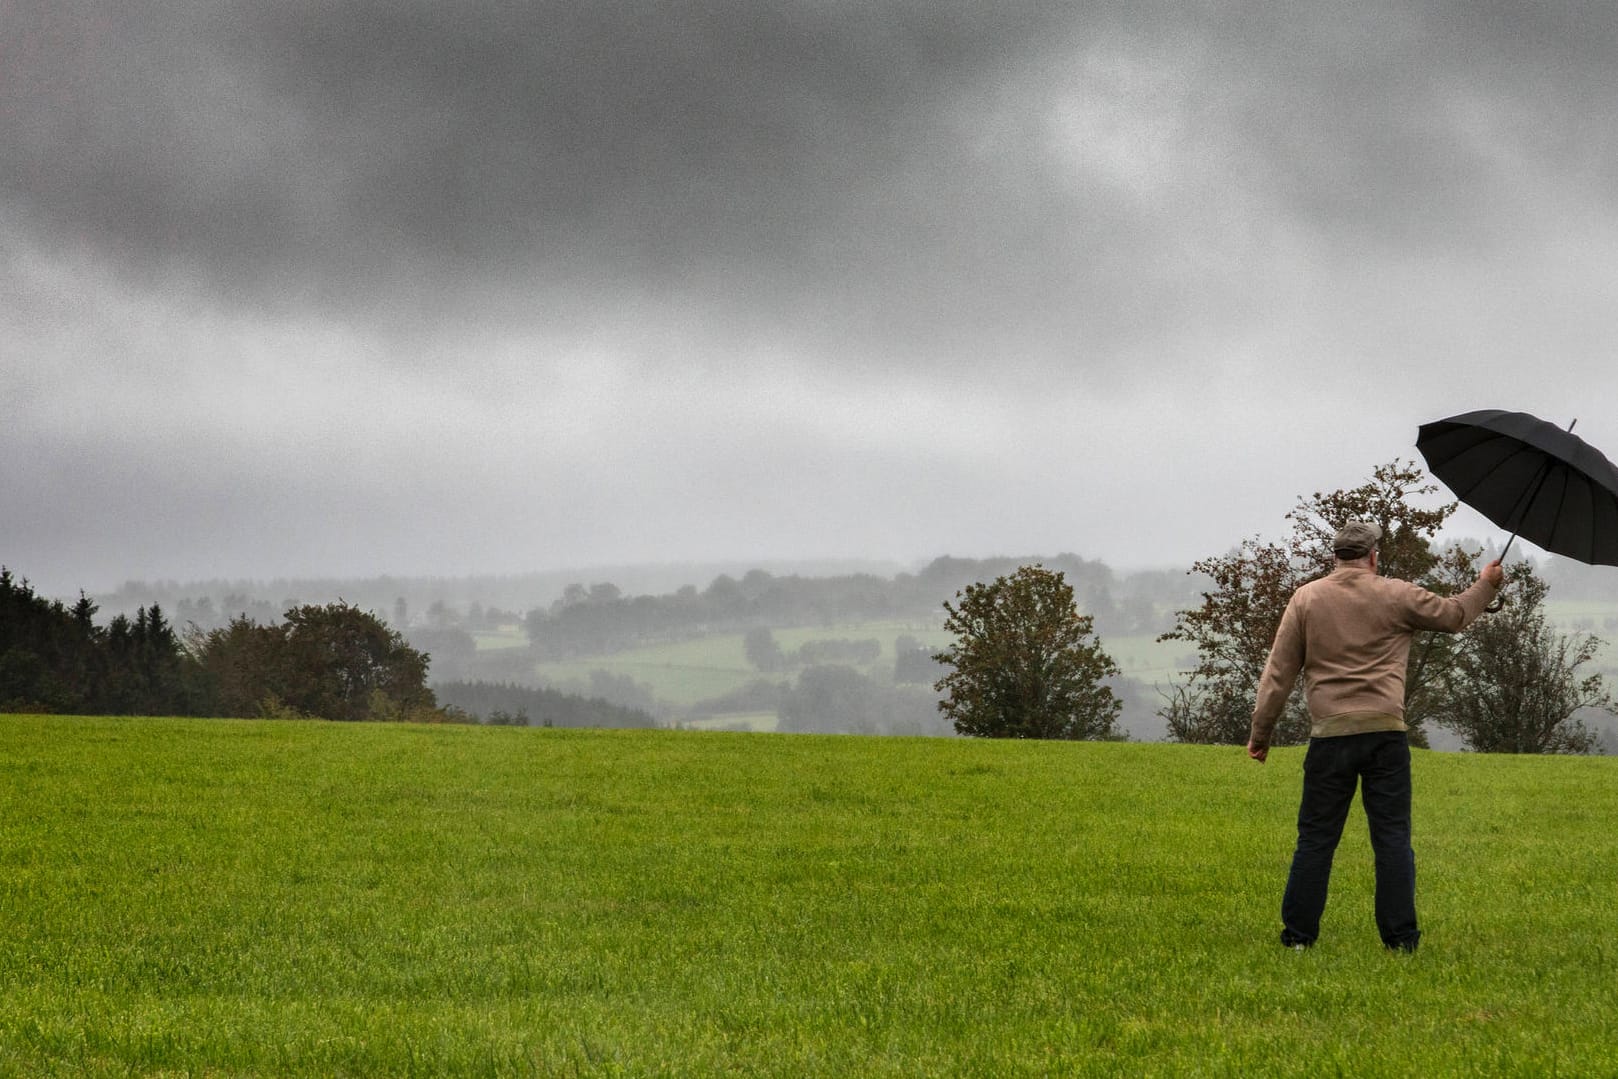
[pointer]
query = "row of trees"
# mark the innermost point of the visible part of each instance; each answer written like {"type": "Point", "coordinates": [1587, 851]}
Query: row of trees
{"type": "Point", "coordinates": [509, 704]}
{"type": "Point", "coordinates": [332, 661]}
{"type": "Point", "coordinates": [55, 658]}
{"type": "Point", "coordinates": [1026, 664]}
{"type": "Point", "coordinates": [764, 652]}
{"type": "Point", "coordinates": [600, 619]}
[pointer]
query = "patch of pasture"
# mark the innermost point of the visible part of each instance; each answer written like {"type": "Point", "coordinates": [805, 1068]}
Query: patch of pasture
{"type": "Point", "coordinates": [680, 672]}
{"type": "Point", "coordinates": [685, 672]}
{"type": "Point", "coordinates": [505, 637]}
{"type": "Point", "coordinates": [733, 721]}
{"type": "Point", "coordinates": [1146, 659]}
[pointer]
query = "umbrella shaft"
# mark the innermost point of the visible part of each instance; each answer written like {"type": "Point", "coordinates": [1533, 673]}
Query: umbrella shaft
{"type": "Point", "coordinates": [1539, 482]}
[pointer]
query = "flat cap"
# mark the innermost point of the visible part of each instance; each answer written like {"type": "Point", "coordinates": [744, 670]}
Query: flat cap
{"type": "Point", "coordinates": [1355, 539]}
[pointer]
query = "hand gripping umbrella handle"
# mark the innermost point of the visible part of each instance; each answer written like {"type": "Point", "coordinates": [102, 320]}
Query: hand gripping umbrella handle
{"type": "Point", "coordinates": [1499, 598]}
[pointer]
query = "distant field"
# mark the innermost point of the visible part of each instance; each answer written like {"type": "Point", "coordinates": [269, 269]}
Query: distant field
{"type": "Point", "coordinates": [1590, 616]}
{"type": "Point", "coordinates": [508, 637]}
{"type": "Point", "coordinates": [733, 721]}
{"type": "Point", "coordinates": [1595, 612]}
{"type": "Point", "coordinates": [686, 672]}
{"type": "Point", "coordinates": [228, 898]}
{"type": "Point", "coordinates": [1146, 659]}
{"type": "Point", "coordinates": [682, 672]}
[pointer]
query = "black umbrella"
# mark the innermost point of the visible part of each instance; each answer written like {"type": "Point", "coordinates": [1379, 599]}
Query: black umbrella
{"type": "Point", "coordinates": [1541, 482]}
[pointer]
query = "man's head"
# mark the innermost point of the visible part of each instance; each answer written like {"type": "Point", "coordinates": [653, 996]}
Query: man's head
{"type": "Point", "coordinates": [1356, 541]}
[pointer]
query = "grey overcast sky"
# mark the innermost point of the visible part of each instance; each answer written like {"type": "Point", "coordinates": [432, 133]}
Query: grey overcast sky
{"type": "Point", "coordinates": [339, 287]}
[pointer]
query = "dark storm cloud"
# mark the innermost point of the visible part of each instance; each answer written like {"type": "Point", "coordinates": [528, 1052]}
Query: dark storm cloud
{"type": "Point", "coordinates": [883, 170]}
{"type": "Point", "coordinates": [1384, 123]}
{"type": "Point", "coordinates": [370, 147]}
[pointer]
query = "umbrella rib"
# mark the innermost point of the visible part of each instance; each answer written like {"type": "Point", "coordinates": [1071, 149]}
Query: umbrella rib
{"type": "Point", "coordinates": [1526, 499]}
{"type": "Point", "coordinates": [1524, 502]}
{"type": "Point", "coordinates": [1556, 518]}
{"type": "Point", "coordinates": [1520, 449]}
{"type": "Point", "coordinates": [1539, 482]}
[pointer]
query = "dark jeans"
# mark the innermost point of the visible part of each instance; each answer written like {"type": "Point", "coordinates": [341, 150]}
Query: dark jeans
{"type": "Point", "coordinates": [1380, 763]}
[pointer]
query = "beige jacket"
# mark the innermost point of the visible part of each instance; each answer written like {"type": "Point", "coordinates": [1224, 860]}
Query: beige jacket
{"type": "Point", "coordinates": [1349, 634]}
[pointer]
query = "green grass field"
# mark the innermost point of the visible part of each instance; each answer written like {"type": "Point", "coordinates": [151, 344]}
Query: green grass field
{"type": "Point", "coordinates": [224, 898]}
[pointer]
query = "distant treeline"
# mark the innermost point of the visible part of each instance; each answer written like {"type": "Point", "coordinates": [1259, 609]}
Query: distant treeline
{"type": "Point", "coordinates": [475, 602]}
{"type": "Point", "coordinates": [600, 618]}
{"type": "Point", "coordinates": [506, 703]}
{"type": "Point", "coordinates": [662, 602]}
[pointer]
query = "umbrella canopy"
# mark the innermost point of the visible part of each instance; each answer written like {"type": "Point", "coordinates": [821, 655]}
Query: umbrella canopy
{"type": "Point", "coordinates": [1531, 477]}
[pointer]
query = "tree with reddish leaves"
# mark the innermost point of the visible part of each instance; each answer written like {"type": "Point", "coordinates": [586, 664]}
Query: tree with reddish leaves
{"type": "Point", "coordinates": [1235, 625]}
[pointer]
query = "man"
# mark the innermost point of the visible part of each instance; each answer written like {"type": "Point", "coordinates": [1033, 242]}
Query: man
{"type": "Point", "coordinates": [1349, 634]}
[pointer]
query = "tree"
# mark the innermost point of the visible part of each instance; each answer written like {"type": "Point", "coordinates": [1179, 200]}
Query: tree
{"type": "Point", "coordinates": [762, 650]}
{"type": "Point", "coordinates": [1235, 625]}
{"type": "Point", "coordinates": [833, 698]}
{"type": "Point", "coordinates": [242, 665]}
{"type": "Point", "coordinates": [1026, 663]}
{"type": "Point", "coordinates": [1514, 686]}
{"type": "Point", "coordinates": [345, 663]}
{"type": "Point", "coordinates": [837, 699]}
{"type": "Point", "coordinates": [913, 661]}
{"type": "Point", "coordinates": [1233, 631]}
{"type": "Point", "coordinates": [49, 658]}
{"type": "Point", "coordinates": [333, 661]}
{"type": "Point", "coordinates": [146, 667]}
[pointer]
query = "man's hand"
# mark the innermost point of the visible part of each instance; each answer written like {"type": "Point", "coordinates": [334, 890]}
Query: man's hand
{"type": "Point", "coordinates": [1494, 573]}
{"type": "Point", "coordinates": [1257, 752]}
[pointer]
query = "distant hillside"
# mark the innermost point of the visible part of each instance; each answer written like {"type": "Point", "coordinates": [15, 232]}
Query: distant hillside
{"type": "Point", "coordinates": [635, 602]}
{"type": "Point", "coordinates": [518, 592]}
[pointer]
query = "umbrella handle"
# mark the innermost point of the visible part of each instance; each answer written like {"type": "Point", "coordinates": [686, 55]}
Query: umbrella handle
{"type": "Point", "coordinates": [1499, 602]}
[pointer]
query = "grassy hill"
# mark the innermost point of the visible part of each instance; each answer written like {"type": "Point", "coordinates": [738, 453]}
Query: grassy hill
{"type": "Point", "coordinates": [242, 898]}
